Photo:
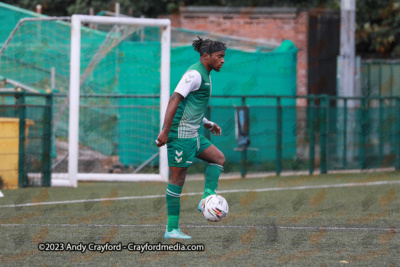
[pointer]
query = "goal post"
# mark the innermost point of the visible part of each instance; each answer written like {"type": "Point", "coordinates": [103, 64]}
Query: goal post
{"type": "Point", "coordinates": [74, 98]}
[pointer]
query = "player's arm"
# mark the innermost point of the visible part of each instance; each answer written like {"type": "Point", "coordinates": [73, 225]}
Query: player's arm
{"type": "Point", "coordinates": [190, 82]}
{"type": "Point", "coordinates": [169, 116]}
{"type": "Point", "coordinates": [212, 126]}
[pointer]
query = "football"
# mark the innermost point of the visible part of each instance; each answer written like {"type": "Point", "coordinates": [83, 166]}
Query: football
{"type": "Point", "coordinates": [214, 208]}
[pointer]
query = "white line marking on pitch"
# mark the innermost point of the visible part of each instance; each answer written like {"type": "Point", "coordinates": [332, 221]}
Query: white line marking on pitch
{"type": "Point", "coordinates": [201, 193]}
{"type": "Point", "coordinates": [208, 226]}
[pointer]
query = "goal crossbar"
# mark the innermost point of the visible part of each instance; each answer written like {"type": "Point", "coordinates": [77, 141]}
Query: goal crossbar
{"type": "Point", "coordinates": [74, 91]}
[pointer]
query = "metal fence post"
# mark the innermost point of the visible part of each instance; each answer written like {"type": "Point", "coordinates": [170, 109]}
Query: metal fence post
{"type": "Point", "coordinates": [21, 158]}
{"type": "Point", "coordinates": [345, 134]}
{"type": "Point", "coordinates": [397, 134]}
{"type": "Point", "coordinates": [243, 162]}
{"type": "Point", "coordinates": [380, 79]}
{"type": "Point", "coordinates": [391, 79]}
{"type": "Point", "coordinates": [362, 135]}
{"type": "Point", "coordinates": [369, 79]}
{"type": "Point", "coordinates": [278, 136]}
{"type": "Point", "coordinates": [324, 104]}
{"type": "Point", "coordinates": [47, 141]}
{"type": "Point", "coordinates": [391, 137]}
{"type": "Point", "coordinates": [380, 132]}
{"type": "Point", "coordinates": [243, 168]}
{"type": "Point", "coordinates": [311, 128]}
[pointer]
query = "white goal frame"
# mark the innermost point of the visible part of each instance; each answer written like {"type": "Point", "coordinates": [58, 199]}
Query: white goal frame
{"type": "Point", "coordinates": [58, 179]}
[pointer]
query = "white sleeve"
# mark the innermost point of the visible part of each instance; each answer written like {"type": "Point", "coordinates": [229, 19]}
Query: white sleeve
{"type": "Point", "coordinates": [190, 82]}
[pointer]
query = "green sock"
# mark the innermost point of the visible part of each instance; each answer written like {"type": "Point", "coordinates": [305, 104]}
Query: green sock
{"type": "Point", "coordinates": [173, 206]}
{"type": "Point", "coordinates": [212, 175]}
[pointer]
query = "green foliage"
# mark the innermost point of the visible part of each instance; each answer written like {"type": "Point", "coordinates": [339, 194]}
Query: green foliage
{"type": "Point", "coordinates": [155, 7]}
{"type": "Point", "coordinates": [378, 28]}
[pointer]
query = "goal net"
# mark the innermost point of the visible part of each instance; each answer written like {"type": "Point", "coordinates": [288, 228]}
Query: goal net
{"type": "Point", "coordinates": [110, 79]}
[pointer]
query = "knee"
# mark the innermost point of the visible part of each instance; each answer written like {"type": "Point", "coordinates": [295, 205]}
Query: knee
{"type": "Point", "coordinates": [177, 181]}
{"type": "Point", "coordinates": [178, 176]}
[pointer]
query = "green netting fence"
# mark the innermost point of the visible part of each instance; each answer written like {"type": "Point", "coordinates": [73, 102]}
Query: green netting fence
{"type": "Point", "coordinates": [331, 133]}
{"type": "Point", "coordinates": [130, 68]}
{"type": "Point", "coordinates": [244, 73]}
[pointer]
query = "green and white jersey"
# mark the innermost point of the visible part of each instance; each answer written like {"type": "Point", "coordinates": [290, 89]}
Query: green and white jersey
{"type": "Point", "coordinates": [195, 87]}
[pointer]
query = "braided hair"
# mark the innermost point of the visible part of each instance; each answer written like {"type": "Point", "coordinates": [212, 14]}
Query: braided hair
{"type": "Point", "coordinates": [207, 46]}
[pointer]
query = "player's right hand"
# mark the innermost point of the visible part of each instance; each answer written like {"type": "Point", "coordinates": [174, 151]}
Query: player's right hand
{"type": "Point", "coordinates": [162, 138]}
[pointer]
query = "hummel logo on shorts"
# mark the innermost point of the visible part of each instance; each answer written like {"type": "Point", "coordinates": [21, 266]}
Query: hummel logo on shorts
{"type": "Point", "coordinates": [179, 154]}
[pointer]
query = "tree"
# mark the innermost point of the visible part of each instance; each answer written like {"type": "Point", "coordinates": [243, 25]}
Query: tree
{"type": "Point", "coordinates": [378, 28]}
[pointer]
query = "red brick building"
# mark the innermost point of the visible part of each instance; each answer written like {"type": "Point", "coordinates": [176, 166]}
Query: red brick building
{"type": "Point", "coordinates": [314, 32]}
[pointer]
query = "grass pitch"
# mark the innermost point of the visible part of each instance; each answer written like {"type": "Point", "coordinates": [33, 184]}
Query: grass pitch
{"type": "Point", "coordinates": [328, 220]}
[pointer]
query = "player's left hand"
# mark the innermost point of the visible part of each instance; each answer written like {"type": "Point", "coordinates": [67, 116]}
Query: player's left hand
{"type": "Point", "coordinates": [215, 131]}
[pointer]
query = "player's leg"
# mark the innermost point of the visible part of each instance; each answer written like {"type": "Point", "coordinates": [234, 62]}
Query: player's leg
{"type": "Point", "coordinates": [216, 160]}
{"type": "Point", "coordinates": [173, 195]}
{"type": "Point", "coordinates": [212, 155]}
{"type": "Point", "coordinates": [180, 152]}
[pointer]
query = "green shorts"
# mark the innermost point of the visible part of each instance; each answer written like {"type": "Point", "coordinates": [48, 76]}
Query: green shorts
{"type": "Point", "coordinates": [182, 151]}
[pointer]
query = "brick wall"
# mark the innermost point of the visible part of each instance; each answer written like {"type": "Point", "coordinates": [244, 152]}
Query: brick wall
{"type": "Point", "coordinates": [272, 25]}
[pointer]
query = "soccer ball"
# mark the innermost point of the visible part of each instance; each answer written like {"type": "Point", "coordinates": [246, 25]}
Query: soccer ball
{"type": "Point", "coordinates": [214, 208]}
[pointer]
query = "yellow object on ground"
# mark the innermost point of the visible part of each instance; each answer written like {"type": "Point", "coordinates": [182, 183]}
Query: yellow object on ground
{"type": "Point", "coordinates": [9, 150]}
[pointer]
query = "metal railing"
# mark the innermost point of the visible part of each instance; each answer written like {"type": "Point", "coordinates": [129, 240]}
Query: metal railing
{"type": "Point", "coordinates": [322, 110]}
{"type": "Point", "coordinates": [337, 133]}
